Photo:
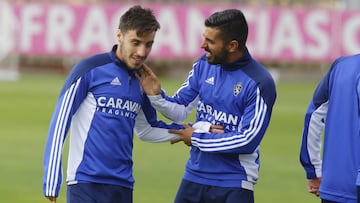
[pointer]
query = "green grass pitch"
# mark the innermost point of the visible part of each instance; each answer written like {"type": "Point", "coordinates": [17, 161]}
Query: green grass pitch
{"type": "Point", "coordinates": [26, 107]}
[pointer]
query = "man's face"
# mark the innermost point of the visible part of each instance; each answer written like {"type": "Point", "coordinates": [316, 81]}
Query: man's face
{"type": "Point", "coordinates": [216, 51]}
{"type": "Point", "coordinates": [132, 49]}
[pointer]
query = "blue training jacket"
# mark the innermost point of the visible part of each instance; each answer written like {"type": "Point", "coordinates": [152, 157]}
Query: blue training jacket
{"type": "Point", "coordinates": [334, 108]}
{"type": "Point", "coordinates": [100, 104]}
{"type": "Point", "coordinates": [239, 96]}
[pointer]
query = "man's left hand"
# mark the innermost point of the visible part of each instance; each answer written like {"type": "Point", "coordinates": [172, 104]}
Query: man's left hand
{"type": "Point", "coordinates": [184, 135]}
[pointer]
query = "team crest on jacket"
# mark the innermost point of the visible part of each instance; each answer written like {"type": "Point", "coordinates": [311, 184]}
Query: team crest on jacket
{"type": "Point", "coordinates": [237, 88]}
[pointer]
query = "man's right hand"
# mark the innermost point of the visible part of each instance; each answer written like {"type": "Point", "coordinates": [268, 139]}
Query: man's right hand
{"type": "Point", "coordinates": [52, 199]}
{"type": "Point", "coordinates": [314, 185]}
{"type": "Point", "coordinates": [149, 81]}
{"type": "Point", "coordinates": [216, 129]}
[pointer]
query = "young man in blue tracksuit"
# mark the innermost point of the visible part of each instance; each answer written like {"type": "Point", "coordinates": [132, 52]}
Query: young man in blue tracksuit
{"type": "Point", "coordinates": [100, 104]}
{"type": "Point", "coordinates": [231, 89]}
{"type": "Point", "coordinates": [332, 170]}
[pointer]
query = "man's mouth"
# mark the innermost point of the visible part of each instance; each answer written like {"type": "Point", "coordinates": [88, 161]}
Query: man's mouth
{"type": "Point", "coordinates": [208, 54]}
{"type": "Point", "coordinates": [139, 60]}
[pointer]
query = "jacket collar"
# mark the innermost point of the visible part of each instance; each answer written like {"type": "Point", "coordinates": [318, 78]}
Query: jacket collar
{"type": "Point", "coordinates": [243, 61]}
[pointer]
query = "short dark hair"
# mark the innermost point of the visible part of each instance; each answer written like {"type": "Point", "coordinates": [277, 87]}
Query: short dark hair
{"type": "Point", "coordinates": [232, 25]}
{"type": "Point", "coordinates": [140, 19]}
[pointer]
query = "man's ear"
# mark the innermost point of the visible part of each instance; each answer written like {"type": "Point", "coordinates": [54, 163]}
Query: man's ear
{"type": "Point", "coordinates": [118, 34]}
{"type": "Point", "coordinates": [233, 46]}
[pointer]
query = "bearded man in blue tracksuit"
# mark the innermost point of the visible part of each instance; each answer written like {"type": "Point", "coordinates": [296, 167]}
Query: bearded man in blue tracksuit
{"type": "Point", "coordinates": [228, 88]}
{"type": "Point", "coordinates": [100, 104]}
{"type": "Point", "coordinates": [332, 170]}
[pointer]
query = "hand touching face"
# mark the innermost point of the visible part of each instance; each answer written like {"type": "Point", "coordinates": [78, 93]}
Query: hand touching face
{"type": "Point", "coordinates": [148, 80]}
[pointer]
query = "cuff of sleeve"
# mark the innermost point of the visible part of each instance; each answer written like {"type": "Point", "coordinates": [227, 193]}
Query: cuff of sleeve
{"type": "Point", "coordinates": [202, 127]}
{"type": "Point", "coordinates": [311, 173]}
{"type": "Point", "coordinates": [155, 98]}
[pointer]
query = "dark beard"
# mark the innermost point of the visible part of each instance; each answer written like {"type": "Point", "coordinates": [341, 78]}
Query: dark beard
{"type": "Point", "coordinates": [220, 58]}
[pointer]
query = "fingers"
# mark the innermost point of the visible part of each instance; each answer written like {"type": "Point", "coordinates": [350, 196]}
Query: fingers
{"type": "Point", "coordinates": [184, 134]}
{"type": "Point", "coordinates": [138, 77]}
{"type": "Point", "coordinates": [176, 140]}
{"type": "Point", "coordinates": [140, 74]}
{"type": "Point", "coordinates": [313, 186]}
{"type": "Point", "coordinates": [188, 143]}
{"type": "Point", "coordinates": [217, 131]}
{"type": "Point", "coordinates": [174, 131]}
{"type": "Point", "coordinates": [216, 127]}
{"type": "Point", "coordinates": [145, 67]}
{"type": "Point", "coordinates": [314, 191]}
{"type": "Point", "coordinates": [179, 132]}
{"type": "Point", "coordinates": [146, 70]}
{"type": "Point", "coordinates": [179, 139]}
{"type": "Point", "coordinates": [143, 71]}
{"type": "Point", "coordinates": [52, 199]}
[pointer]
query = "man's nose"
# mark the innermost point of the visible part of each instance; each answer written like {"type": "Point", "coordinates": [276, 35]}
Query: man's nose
{"type": "Point", "coordinates": [141, 51]}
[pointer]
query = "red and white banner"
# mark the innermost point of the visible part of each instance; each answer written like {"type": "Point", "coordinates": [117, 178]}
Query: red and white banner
{"type": "Point", "coordinates": [275, 34]}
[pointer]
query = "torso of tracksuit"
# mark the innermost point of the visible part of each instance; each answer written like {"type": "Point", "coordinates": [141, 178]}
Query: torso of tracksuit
{"type": "Point", "coordinates": [238, 96]}
{"type": "Point", "coordinates": [334, 108]}
{"type": "Point", "coordinates": [100, 104]}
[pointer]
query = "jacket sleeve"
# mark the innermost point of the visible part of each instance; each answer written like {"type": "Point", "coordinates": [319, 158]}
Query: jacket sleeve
{"type": "Point", "coordinates": [314, 123]}
{"type": "Point", "coordinates": [173, 111]}
{"type": "Point", "coordinates": [149, 129]}
{"type": "Point", "coordinates": [148, 133]}
{"type": "Point", "coordinates": [246, 140]}
{"type": "Point", "coordinates": [73, 92]}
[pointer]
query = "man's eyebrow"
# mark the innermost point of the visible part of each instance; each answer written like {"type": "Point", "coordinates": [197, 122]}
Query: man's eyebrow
{"type": "Point", "coordinates": [210, 40]}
